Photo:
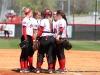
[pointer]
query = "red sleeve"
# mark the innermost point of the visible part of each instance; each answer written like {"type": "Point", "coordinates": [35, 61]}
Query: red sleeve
{"type": "Point", "coordinates": [24, 32]}
{"type": "Point", "coordinates": [32, 37]}
{"type": "Point", "coordinates": [61, 30]}
{"type": "Point", "coordinates": [40, 31]}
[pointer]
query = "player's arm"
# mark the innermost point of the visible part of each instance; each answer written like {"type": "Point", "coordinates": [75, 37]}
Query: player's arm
{"type": "Point", "coordinates": [60, 33]}
{"type": "Point", "coordinates": [61, 28]}
{"type": "Point", "coordinates": [24, 29]}
{"type": "Point", "coordinates": [41, 29]}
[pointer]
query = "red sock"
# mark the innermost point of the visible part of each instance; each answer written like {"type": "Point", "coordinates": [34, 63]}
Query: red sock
{"type": "Point", "coordinates": [50, 66]}
{"type": "Point", "coordinates": [39, 65]}
{"type": "Point", "coordinates": [22, 65]}
{"type": "Point", "coordinates": [30, 60]}
{"type": "Point", "coordinates": [62, 64]}
{"type": "Point", "coordinates": [26, 64]}
{"type": "Point", "coordinates": [54, 63]}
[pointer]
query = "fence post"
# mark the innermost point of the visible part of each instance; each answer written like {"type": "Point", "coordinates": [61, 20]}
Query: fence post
{"type": "Point", "coordinates": [95, 21]}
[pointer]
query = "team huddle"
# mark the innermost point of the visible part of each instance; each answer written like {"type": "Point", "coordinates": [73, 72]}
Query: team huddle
{"type": "Point", "coordinates": [51, 33]}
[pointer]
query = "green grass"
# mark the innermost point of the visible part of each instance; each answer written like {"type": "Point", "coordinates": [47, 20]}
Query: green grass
{"type": "Point", "coordinates": [86, 45]}
{"type": "Point", "coordinates": [77, 45]}
{"type": "Point", "coordinates": [9, 44]}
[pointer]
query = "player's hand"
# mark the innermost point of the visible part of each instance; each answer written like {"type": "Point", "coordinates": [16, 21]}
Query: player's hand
{"type": "Point", "coordinates": [58, 36]}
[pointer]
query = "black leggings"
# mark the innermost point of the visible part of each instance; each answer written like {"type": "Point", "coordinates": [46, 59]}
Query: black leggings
{"type": "Point", "coordinates": [46, 46]}
{"type": "Point", "coordinates": [6, 32]}
{"type": "Point", "coordinates": [54, 52]}
{"type": "Point", "coordinates": [60, 51]}
{"type": "Point", "coordinates": [29, 51]}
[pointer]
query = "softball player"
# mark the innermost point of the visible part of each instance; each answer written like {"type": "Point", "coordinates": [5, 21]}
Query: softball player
{"type": "Point", "coordinates": [61, 35]}
{"type": "Point", "coordinates": [47, 42]}
{"type": "Point", "coordinates": [35, 16]}
{"type": "Point", "coordinates": [30, 55]}
{"type": "Point", "coordinates": [6, 31]}
{"type": "Point", "coordinates": [35, 27]}
{"type": "Point", "coordinates": [27, 34]}
{"type": "Point", "coordinates": [55, 23]}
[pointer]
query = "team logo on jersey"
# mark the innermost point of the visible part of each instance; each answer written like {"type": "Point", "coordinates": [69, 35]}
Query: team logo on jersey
{"type": "Point", "coordinates": [35, 25]}
{"type": "Point", "coordinates": [24, 22]}
{"type": "Point", "coordinates": [60, 25]}
{"type": "Point", "coordinates": [31, 26]}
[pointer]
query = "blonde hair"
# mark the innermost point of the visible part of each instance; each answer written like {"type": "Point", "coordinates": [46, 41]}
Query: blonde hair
{"type": "Point", "coordinates": [50, 21]}
{"type": "Point", "coordinates": [24, 9]}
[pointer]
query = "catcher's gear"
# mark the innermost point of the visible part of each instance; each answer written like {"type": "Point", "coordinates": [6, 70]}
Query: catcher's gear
{"type": "Point", "coordinates": [24, 44]}
{"type": "Point", "coordinates": [67, 45]}
{"type": "Point", "coordinates": [36, 45]}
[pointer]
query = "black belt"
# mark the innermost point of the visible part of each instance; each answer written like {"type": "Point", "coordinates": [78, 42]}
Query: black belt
{"type": "Point", "coordinates": [46, 36]}
{"type": "Point", "coordinates": [47, 32]}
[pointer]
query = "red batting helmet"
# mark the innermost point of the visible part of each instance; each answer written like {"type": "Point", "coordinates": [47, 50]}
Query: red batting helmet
{"type": "Point", "coordinates": [48, 12]}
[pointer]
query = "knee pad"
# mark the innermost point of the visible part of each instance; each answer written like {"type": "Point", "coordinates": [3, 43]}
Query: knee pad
{"type": "Point", "coordinates": [49, 58]}
{"type": "Point", "coordinates": [40, 57]}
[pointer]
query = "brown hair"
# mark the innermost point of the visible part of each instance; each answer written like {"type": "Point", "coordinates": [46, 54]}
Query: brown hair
{"type": "Point", "coordinates": [36, 12]}
{"type": "Point", "coordinates": [60, 12]}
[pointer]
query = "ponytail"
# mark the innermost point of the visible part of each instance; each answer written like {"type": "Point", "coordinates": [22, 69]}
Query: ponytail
{"type": "Point", "coordinates": [50, 21]}
{"type": "Point", "coordinates": [60, 12]}
{"type": "Point", "coordinates": [24, 9]}
{"type": "Point", "coordinates": [64, 17]}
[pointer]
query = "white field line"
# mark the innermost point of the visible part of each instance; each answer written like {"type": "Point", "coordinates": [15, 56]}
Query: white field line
{"type": "Point", "coordinates": [74, 73]}
{"type": "Point", "coordinates": [8, 67]}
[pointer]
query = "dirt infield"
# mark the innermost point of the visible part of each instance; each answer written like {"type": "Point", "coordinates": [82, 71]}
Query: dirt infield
{"type": "Point", "coordinates": [77, 63]}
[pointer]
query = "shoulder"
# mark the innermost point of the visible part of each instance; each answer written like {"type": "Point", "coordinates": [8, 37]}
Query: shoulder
{"type": "Point", "coordinates": [43, 20]}
{"type": "Point", "coordinates": [62, 21]}
{"type": "Point", "coordinates": [25, 20]}
{"type": "Point", "coordinates": [33, 19]}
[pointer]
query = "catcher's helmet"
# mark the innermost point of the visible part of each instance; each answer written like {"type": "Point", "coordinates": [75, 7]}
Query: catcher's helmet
{"type": "Point", "coordinates": [47, 12]}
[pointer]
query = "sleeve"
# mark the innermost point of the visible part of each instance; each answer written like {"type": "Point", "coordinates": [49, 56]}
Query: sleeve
{"type": "Point", "coordinates": [35, 25]}
{"type": "Point", "coordinates": [24, 22]}
{"type": "Point", "coordinates": [61, 23]}
{"type": "Point", "coordinates": [24, 32]}
{"type": "Point", "coordinates": [41, 28]}
{"type": "Point", "coordinates": [61, 27]}
{"type": "Point", "coordinates": [40, 31]}
{"type": "Point", "coordinates": [42, 23]}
